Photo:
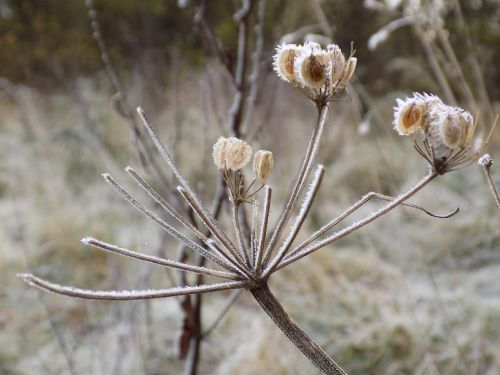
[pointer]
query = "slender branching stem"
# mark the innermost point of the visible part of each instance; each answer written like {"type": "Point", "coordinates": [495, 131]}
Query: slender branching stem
{"type": "Point", "coordinates": [358, 205]}
{"type": "Point", "coordinates": [174, 213]}
{"type": "Point", "coordinates": [305, 170]}
{"type": "Point", "coordinates": [221, 239]}
{"type": "Point", "coordinates": [253, 233]}
{"type": "Point", "coordinates": [239, 234]}
{"type": "Point", "coordinates": [294, 332]}
{"type": "Point", "coordinates": [491, 183]}
{"type": "Point", "coordinates": [157, 260]}
{"type": "Point", "coordinates": [359, 224]}
{"type": "Point", "coordinates": [263, 229]}
{"type": "Point", "coordinates": [301, 217]}
{"type": "Point", "coordinates": [164, 204]}
{"type": "Point", "coordinates": [182, 180]}
{"type": "Point", "coordinates": [127, 295]}
{"type": "Point", "coordinates": [165, 226]}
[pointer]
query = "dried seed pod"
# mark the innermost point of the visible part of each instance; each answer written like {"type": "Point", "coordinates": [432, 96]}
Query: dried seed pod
{"type": "Point", "coordinates": [414, 113]}
{"type": "Point", "coordinates": [467, 121]}
{"type": "Point", "coordinates": [408, 116]}
{"type": "Point", "coordinates": [219, 152]}
{"type": "Point", "coordinates": [263, 165]}
{"type": "Point", "coordinates": [456, 125]}
{"type": "Point", "coordinates": [338, 62]}
{"type": "Point", "coordinates": [452, 133]}
{"type": "Point", "coordinates": [238, 154]}
{"type": "Point", "coordinates": [284, 60]}
{"type": "Point", "coordinates": [350, 66]}
{"type": "Point", "coordinates": [312, 68]}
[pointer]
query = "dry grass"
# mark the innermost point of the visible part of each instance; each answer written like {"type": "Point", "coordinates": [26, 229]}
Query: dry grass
{"type": "Point", "coordinates": [409, 294]}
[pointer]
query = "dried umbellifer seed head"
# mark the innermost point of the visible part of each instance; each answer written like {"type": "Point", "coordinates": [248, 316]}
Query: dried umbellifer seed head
{"type": "Point", "coordinates": [219, 152]}
{"type": "Point", "coordinates": [263, 165]}
{"type": "Point", "coordinates": [338, 62]}
{"type": "Point", "coordinates": [312, 68]}
{"type": "Point", "coordinates": [238, 154]}
{"type": "Point", "coordinates": [284, 60]}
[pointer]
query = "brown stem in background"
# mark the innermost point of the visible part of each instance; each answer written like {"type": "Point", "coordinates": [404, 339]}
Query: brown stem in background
{"type": "Point", "coordinates": [435, 66]}
{"type": "Point", "coordinates": [242, 16]}
{"type": "Point", "coordinates": [294, 332]}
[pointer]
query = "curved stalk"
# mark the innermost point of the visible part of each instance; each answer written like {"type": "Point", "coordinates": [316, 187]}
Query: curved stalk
{"type": "Point", "coordinates": [358, 224]}
{"type": "Point", "coordinates": [292, 330]}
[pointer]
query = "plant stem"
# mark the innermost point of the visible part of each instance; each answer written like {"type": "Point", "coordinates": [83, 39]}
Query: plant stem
{"type": "Point", "coordinates": [359, 224]}
{"type": "Point", "coordinates": [305, 170]}
{"type": "Point", "coordinates": [294, 333]}
{"type": "Point", "coordinates": [491, 184]}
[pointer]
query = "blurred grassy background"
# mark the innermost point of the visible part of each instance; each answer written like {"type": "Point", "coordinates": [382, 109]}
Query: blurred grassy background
{"type": "Point", "coordinates": [409, 294]}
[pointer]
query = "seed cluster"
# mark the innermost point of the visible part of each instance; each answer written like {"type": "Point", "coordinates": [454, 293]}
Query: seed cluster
{"type": "Point", "coordinates": [448, 132]}
{"type": "Point", "coordinates": [319, 73]}
{"type": "Point", "coordinates": [231, 155]}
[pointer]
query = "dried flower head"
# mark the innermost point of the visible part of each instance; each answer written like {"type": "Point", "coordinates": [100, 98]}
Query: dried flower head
{"type": "Point", "coordinates": [263, 165]}
{"type": "Point", "coordinates": [411, 114]}
{"type": "Point", "coordinates": [219, 152]}
{"type": "Point", "coordinates": [319, 73]}
{"type": "Point", "coordinates": [284, 60]}
{"type": "Point", "coordinates": [238, 154]}
{"type": "Point", "coordinates": [447, 131]}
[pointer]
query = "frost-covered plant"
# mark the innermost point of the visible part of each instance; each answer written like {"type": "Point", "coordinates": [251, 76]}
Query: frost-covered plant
{"type": "Point", "coordinates": [248, 261]}
{"type": "Point", "coordinates": [486, 161]}
{"type": "Point", "coordinates": [443, 134]}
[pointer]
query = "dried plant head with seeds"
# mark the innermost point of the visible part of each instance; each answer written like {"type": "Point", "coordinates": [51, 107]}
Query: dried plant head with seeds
{"type": "Point", "coordinates": [319, 73]}
{"type": "Point", "coordinates": [247, 259]}
{"type": "Point", "coordinates": [443, 134]}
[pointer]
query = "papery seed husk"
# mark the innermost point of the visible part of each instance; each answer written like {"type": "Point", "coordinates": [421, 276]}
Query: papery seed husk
{"type": "Point", "coordinates": [312, 69]}
{"type": "Point", "coordinates": [238, 154]}
{"type": "Point", "coordinates": [338, 62]}
{"type": "Point", "coordinates": [219, 152]}
{"type": "Point", "coordinates": [263, 165]}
